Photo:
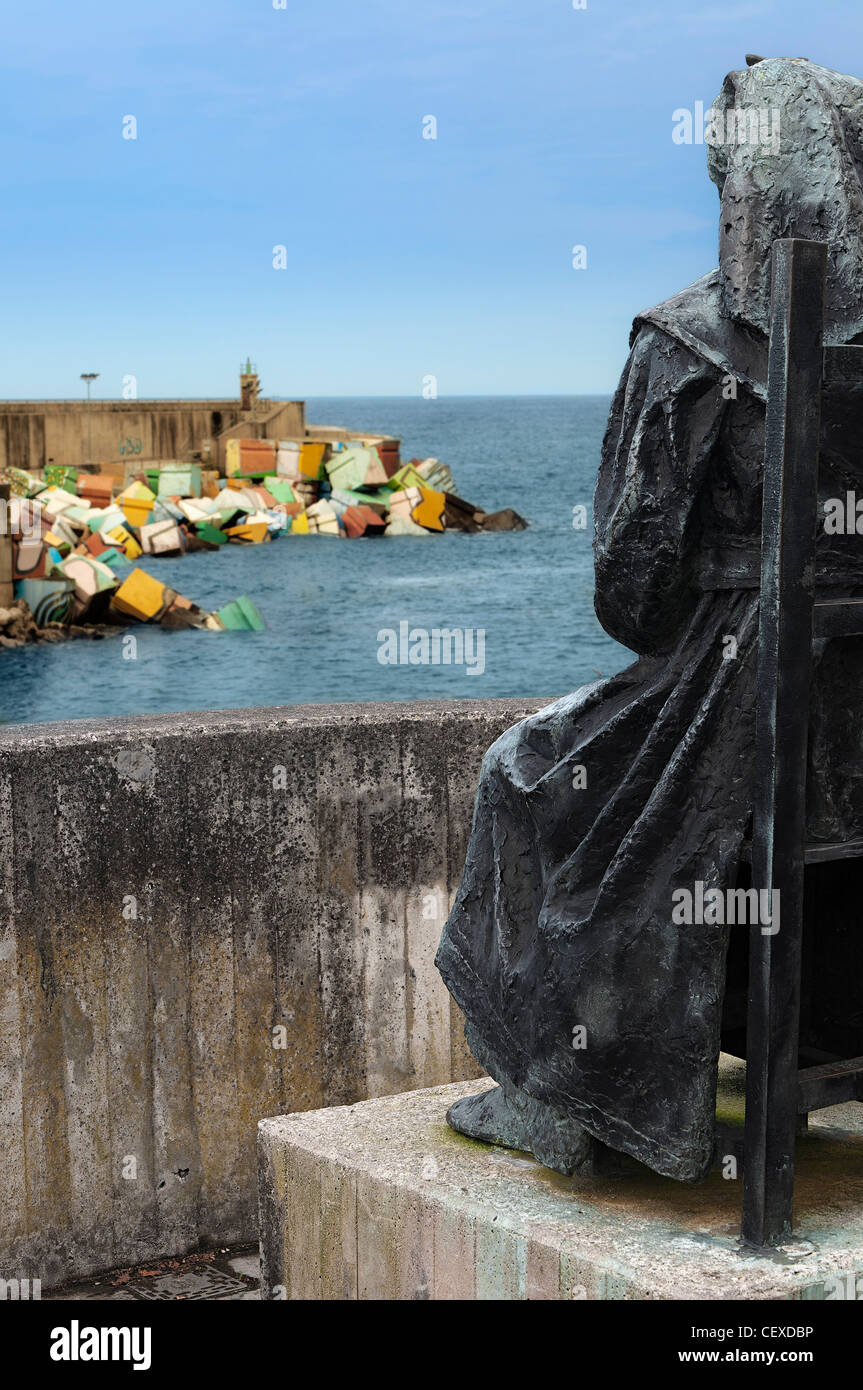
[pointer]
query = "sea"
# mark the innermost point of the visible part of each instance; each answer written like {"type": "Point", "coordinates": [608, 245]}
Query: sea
{"type": "Point", "coordinates": [336, 611]}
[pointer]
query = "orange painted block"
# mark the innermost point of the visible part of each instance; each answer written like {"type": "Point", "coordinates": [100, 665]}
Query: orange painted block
{"type": "Point", "coordinates": [312, 459]}
{"type": "Point", "coordinates": [265, 498]}
{"type": "Point", "coordinates": [429, 511]}
{"type": "Point", "coordinates": [95, 546]}
{"type": "Point", "coordinates": [256, 533]}
{"type": "Point", "coordinates": [362, 521]}
{"type": "Point", "coordinates": [97, 488]}
{"type": "Point", "coordinates": [257, 456]}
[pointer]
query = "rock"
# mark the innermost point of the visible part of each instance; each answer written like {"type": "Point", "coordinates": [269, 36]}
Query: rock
{"type": "Point", "coordinates": [505, 520]}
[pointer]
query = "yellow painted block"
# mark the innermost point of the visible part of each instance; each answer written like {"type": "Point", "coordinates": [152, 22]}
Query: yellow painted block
{"type": "Point", "coordinates": [429, 511]}
{"type": "Point", "coordinates": [137, 513]}
{"type": "Point", "coordinates": [300, 525]}
{"type": "Point", "coordinates": [136, 492]}
{"type": "Point", "coordinates": [232, 458]}
{"type": "Point", "coordinates": [256, 533]}
{"type": "Point", "coordinates": [140, 596]}
{"type": "Point", "coordinates": [127, 540]}
{"type": "Point", "coordinates": [311, 458]}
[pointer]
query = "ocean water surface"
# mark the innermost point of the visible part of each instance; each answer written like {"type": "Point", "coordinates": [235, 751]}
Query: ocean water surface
{"type": "Point", "coordinates": [326, 601]}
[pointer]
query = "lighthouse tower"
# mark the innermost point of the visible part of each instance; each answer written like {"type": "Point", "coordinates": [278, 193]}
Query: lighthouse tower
{"type": "Point", "coordinates": [250, 386]}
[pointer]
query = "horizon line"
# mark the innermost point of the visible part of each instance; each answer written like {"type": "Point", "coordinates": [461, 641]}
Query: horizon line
{"type": "Point", "coordinates": [361, 396]}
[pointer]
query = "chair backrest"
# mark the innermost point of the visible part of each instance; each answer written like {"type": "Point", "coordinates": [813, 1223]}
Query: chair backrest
{"type": "Point", "coordinates": [786, 628]}
{"type": "Point", "coordinates": [803, 377]}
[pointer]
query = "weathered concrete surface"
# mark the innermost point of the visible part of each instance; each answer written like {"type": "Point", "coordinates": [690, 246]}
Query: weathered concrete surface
{"type": "Point", "coordinates": [383, 1201]}
{"type": "Point", "coordinates": [174, 889]}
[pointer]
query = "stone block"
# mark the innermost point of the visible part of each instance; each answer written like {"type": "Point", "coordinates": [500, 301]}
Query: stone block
{"type": "Point", "coordinates": [381, 1200]}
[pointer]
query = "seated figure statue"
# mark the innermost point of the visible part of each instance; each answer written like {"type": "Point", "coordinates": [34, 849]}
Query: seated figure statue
{"type": "Point", "coordinates": [599, 1015]}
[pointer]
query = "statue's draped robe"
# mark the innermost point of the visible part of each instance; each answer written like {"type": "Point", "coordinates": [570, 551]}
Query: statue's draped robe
{"type": "Point", "coordinates": [593, 812]}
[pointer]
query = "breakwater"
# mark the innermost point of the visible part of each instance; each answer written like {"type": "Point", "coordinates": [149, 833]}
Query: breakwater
{"type": "Point", "coordinates": [70, 538]}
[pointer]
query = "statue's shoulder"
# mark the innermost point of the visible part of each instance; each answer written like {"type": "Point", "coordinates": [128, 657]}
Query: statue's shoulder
{"type": "Point", "coordinates": [695, 317]}
{"type": "Point", "coordinates": [693, 311]}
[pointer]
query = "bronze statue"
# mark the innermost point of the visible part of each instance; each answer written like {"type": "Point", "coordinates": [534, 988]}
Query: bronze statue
{"type": "Point", "coordinates": [599, 1011]}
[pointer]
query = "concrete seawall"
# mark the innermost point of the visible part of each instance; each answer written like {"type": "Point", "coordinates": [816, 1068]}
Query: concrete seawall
{"type": "Point", "coordinates": [35, 433]}
{"type": "Point", "coordinates": [207, 918]}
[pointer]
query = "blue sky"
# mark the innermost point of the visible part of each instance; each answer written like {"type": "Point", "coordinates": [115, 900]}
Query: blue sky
{"type": "Point", "coordinates": [302, 127]}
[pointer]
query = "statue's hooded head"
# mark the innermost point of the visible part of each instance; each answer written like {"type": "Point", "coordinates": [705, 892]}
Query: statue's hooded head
{"type": "Point", "coordinates": [801, 177]}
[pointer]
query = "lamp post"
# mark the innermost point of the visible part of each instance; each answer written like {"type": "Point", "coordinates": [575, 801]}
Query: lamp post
{"type": "Point", "coordinates": [89, 377]}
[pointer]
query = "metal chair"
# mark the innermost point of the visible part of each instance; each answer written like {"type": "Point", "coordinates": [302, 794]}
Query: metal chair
{"type": "Point", "coordinates": [779, 1096]}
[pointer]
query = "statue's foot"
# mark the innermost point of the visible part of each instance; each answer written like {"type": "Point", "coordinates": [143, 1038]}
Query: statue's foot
{"type": "Point", "coordinates": [490, 1117]}
{"type": "Point", "coordinates": [515, 1120]}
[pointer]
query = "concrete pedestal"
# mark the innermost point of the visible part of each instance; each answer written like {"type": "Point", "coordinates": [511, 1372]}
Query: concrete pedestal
{"type": "Point", "coordinates": [381, 1200]}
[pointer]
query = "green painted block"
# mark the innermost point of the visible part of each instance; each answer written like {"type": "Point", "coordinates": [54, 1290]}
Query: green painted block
{"type": "Point", "coordinates": [49, 600]}
{"type": "Point", "coordinates": [114, 515]}
{"type": "Point", "coordinates": [20, 482]}
{"type": "Point", "coordinates": [60, 475]}
{"type": "Point", "coordinates": [182, 481]}
{"type": "Point", "coordinates": [348, 469]}
{"type": "Point", "coordinates": [252, 614]}
{"type": "Point", "coordinates": [278, 488]}
{"type": "Point", "coordinates": [211, 534]}
{"type": "Point", "coordinates": [163, 510]}
{"type": "Point", "coordinates": [117, 561]}
{"type": "Point", "coordinates": [405, 478]}
{"type": "Point", "coordinates": [241, 616]}
{"type": "Point", "coordinates": [231, 617]}
{"type": "Point", "coordinates": [373, 496]}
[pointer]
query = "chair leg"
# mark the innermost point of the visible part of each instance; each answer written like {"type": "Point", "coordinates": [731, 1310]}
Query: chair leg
{"type": "Point", "coordinates": [771, 1079]}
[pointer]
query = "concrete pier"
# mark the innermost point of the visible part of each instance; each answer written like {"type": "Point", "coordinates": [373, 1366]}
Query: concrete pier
{"type": "Point", "coordinates": [36, 433]}
{"type": "Point", "coordinates": [381, 1200]}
